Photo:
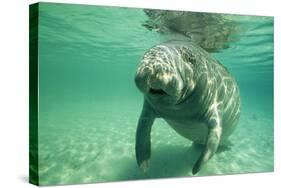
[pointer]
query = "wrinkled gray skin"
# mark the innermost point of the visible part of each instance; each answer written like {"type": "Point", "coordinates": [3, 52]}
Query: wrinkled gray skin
{"type": "Point", "coordinates": [192, 92]}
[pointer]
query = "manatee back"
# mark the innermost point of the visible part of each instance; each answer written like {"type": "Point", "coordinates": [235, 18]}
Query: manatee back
{"type": "Point", "coordinates": [213, 81]}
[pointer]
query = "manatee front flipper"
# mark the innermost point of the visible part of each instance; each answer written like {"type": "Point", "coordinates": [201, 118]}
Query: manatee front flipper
{"type": "Point", "coordinates": [213, 138]}
{"type": "Point", "coordinates": [143, 136]}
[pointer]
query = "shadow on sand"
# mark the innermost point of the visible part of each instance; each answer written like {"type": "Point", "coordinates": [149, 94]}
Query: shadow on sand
{"type": "Point", "coordinates": [166, 161]}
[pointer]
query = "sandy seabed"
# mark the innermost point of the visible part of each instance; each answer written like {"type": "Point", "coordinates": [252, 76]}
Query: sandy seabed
{"type": "Point", "coordinates": [100, 147]}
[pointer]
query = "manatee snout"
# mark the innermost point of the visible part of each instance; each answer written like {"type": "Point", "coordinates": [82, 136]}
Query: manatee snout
{"type": "Point", "coordinates": [159, 80]}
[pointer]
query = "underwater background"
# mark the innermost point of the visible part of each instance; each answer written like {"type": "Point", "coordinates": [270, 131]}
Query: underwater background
{"type": "Point", "coordinates": [89, 105]}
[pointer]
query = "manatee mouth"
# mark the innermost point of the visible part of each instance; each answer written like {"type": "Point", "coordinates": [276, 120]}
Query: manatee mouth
{"type": "Point", "coordinates": [157, 91]}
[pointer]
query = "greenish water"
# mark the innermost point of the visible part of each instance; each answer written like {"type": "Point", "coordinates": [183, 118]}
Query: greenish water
{"type": "Point", "coordinates": [89, 104]}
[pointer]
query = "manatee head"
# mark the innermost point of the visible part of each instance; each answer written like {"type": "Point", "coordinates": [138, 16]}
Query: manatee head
{"type": "Point", "coordinates": [164, 75]}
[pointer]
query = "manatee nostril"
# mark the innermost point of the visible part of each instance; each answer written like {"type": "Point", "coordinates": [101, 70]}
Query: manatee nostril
{"type": "Point", "coordinates": [157, 91]}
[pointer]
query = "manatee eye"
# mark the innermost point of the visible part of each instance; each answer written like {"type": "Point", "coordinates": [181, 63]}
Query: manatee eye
{"type": "Point", "coordinates": [192, 59]}
{"type": "Point", "coordinates": [188, 57]}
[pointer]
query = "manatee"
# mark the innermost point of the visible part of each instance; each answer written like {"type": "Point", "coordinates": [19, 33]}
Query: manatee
{"type": "Point", "coordinates": [194, 93]}
{"type": "Point", "coordinates": [213, 32]}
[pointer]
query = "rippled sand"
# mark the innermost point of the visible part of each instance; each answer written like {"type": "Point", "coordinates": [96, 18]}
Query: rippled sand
{"type": "Point", "coordinates": [99, 147]}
